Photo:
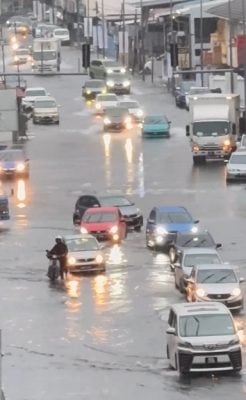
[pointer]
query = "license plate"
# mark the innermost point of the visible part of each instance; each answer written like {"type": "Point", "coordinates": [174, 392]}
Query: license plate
{"type": "Point", "coordinates": [211, 360]}
{"type": "Point", "coordinates": [211, 153]}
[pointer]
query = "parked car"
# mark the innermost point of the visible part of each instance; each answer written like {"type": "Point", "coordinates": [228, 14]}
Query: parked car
{"type": "Point", "coordinates": [202, 337]}
{"type": "Point", "coordinates": [63, 35]}
{"type": "Point", "coordinates": [13, 162]}
{"type": "Point", "coordinates": [118, 83]}
{"type": "Point", "coordinates": [92, 88]}
{"type": "Point", "coordinates": [105, 100]}
{"type": "Point", "coordinates": [132, 215]}
{"type": "Point", "coordinates": [45, 111]}
{"type": "Point", "coordinates": [105, 223]}
{"type": "Point", "coordinates": [163, 224]}
{"type": "Point", "coordinates": [188, 258]}
{"type": "Point", "coordinates": [236, 166]}
{"type": "Point", "coordinates": [85, 254]}
{"type": "Point", "coordinates": [181, 91]}
{"type": "Point", "coordinates": [116, 119]}
{"type": "Point", "coordinates": [156, 126]}
{"type": "Point", "coordinates": [184, 240]}
{"type": "Point", "coordinates": [134, 109]}
{"type": "Point", "coordinates": [215, 282]}
{"type": "Point", "coordinates": [100, 69]}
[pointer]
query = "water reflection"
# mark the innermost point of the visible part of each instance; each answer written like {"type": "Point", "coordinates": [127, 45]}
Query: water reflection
{"type": "Point", "coordinates": [100, 291]}
{"type": "Point", "coordinates": [130, 166]}
{"type": "Point", "coordinates": [116, 255]}
{"type": "Point", "coordinates": [141, 187]}
{"type": "Point", "coordinates": [73, 303]}
{"type": "Point", "coordinates": [21, 193]}
{"type": "Point", "coordinates": [129, 150]}
{"type": "Point", "coordinates": [107, 159]}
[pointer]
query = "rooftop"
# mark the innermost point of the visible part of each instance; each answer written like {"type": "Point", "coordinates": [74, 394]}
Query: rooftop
{"type": "Point", "coordinates": [184, 309]}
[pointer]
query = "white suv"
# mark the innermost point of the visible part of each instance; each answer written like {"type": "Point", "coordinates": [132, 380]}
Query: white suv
{"type": "Point", "coordinates": [202, 337]}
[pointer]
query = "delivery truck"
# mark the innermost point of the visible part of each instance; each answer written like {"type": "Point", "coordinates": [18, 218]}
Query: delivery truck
{"type": "Point", "coordinates": [46, 55]}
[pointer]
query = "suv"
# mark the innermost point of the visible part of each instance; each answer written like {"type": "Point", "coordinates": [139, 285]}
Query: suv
{"type": "Point", "coordinates": [190, 257]}
{"type": "Point", "coordinates": [202, 337]}
{"type": "Point", "coordinates": [100, 69]}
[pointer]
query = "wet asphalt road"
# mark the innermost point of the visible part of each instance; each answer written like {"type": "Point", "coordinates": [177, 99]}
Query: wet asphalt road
{"type": "Point", "coordinates": [103, 337]}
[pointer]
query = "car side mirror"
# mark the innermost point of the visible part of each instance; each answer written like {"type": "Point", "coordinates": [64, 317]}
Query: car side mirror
{"type": "Point", "coordinates": [178, 87]}
{"type": "Point", "coordinates": [218, 245]}
{"type": "Point", "coordinates": [226, 161]}
{"type": "Point", "coordinates": [171, 331]}
{"type": "Point", "coordinates": [187, 129]}
{"type": "Point", "coordinates": [122, 220]}
{"type": "Point", "coordinates": [177, 265]}
{"type": "Point", "coordinates": [241, 280]}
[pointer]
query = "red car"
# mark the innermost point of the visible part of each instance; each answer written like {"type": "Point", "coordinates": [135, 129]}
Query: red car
{"type": "Point", "coordinates": [105, 223]}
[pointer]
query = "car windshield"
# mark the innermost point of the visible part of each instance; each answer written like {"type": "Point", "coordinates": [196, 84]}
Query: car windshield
{"type": "Point", "coordinates": [129, 104]}
{"type": "Point", "coordinates": [216, 276]}
{"type": "Point", "coordinates": [186, 85]}
{"type": "Point", "coordinates": [109, 97]}
{"type": "Point", "coordinates": [191, 260]}
{"type": "Point", "coordinates": [82, 244]}
{"type": "Point", "coordinates": [35, 93]}
{"type": "Point", "coordinates": [116, 201]}
{"type": "Point", "coordinates": [115, 112]}
{"type": "Point", "coordinates": [110, 63]}
{"type": "Point", "coordinates": [20, 52]}
{"type": "Point", "coordinates": [11, 155]}
{"type": "Point", "coordinates": [62, 32]}
{"type": "Point", "coordinates": [45, 104]}
{"type": "Point", "coordinates": [44, 55]}
{"type": "Point", "coordinates": [238, 159]}
{"type": "Point", "coordinates": [155, 120]}
{"type": "Point", "coordinates": [215, 128]}
{"type": "Point", "coordinates": [191, 240]}
{"type": "Point", "coordinates": [174, 218]}
{"type": "Point", "coordinates": [94, 84]}
{"type": "Point", "coordinates": [91, 218]}
{"type": "Point", "coordinates": [206, 325]}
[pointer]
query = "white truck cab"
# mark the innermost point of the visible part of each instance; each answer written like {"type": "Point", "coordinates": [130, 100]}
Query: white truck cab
{"type": "Point", "coordinates": [214, 125]}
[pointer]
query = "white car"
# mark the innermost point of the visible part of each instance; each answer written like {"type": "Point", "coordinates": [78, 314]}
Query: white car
{"type": "Point", "coordinates": [202, 337]}
{"type": "Point", "coordinates": [133, 108]}
{"type": "Point", "coordinates": [236, 166]}
{"type": "Point", "coordinates": [84, 254]}
{"type": "Point", "coordinates": [190, 257]}
{"type": "Point", "coordinates": [31, 94]}
{"type": "Point", "coordinates": [45, 110]}
{"type": "Point", "coordinates": [22, 56]}
{"type": "Point", "coordinates": [62, 34]}
{"type": "Point", "coordinates": [104, 101]}
{"type": "Point", "coordinates": [215, 282]}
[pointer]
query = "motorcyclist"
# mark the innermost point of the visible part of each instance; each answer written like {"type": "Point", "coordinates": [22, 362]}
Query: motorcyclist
{"type": "Point", "coordinates": [60, 250]}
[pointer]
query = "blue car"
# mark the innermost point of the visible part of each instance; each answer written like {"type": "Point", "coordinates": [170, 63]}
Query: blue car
{"type": "Point", "coordinates": [156, 126]}
{"type": "Point", "coordinates": [164, 223]}
{"type": "Point", "coordinates": [13, 162]}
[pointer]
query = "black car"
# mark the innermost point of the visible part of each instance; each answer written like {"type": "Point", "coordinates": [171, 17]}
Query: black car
{"type": "Point", "coordinates": [189, 239]}
{"type": "Point", "coordinates": [181, 92]}
{"type": "Point", "coordinates": [116, 119]}
{"type": "Point", "coordinates": [132, 215]}
{"type": "Point", "coordinates": [118, 84]}
{"type": "Point", "coordinates": [92, 88]}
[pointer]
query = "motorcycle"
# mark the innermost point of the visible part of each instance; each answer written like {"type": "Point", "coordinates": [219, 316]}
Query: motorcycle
{"type": "Point", "coordinates": [54, 267]}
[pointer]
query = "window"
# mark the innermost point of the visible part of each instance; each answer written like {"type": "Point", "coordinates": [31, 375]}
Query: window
{"type": "Point", "coordinates": [206, 325]}
{"type": "Point", "coordinates": [209, 26]}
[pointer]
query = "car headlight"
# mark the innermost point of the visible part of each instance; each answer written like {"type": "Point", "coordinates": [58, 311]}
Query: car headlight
{"type": "Point", "coordinates": [227, 142]}
{"type": "Point", "coordinates": [106, 121]}
{"type": "Point", "coordinates": [71, 261]}
{"type": "Point", "coordinates": [234, 342]}
{"type": "Point", "coordinates": [138, 211]}
{"type": "Point", "coordinates": [126, 83]}
{"type": "Point", "coordinates": [104, 90]}
{"type": "Point", "coordinates": [186, 345]}
{"type": "Point", "coordinates": [159, 239]}
{"type": "Point", "coordinates": [99, 259]}
{"type": "Point", "coordinates": [123, 70]}
{"type": "Point", "coordinates": [195, 148]}
{"type": "Point", "coordinates": [88, 91]}
{"type": "Point", "coordinates": [200, 292]}
{"type": "Point", "coordinates": [236, 292]}
{"type": "Point", "coordinates": [114, 229]}
{"type": "Point", "coordinates": [98, 106]}
{"type": "Point", "coordinates": [110, 83]}
{"type": "Point", "coordinates": [194, 229]}
{"type": "Point", "coordinates": [16, 58]}
{"type": "Point", "coordinates": [83, 230]}
{"type": "Point", "coordinates": [15, 46]}
{"type": "Point", "coordinates": [160, 230]}
{"type": "Point", "coordinates": [109, 71]}
{"type": "Point", "coordinates": [20, 167]}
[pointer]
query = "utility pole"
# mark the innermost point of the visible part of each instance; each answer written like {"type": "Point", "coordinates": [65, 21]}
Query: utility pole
{"type": "Point", "coordinates": [78, 22]}
{"type": "Point", "coordinates": [201, 41]}
{"type": "Point", "coordinates": [142, 41]}
{"type": "Point", "coordinates": [135, 43]}
{"type": "Point", "coordinates": [123, 32]}
{"type": "Point", "coordinates": [174, 55]}
{"type": "Point", "coordinates": [103, 28]}
{"type": "Point", "coordinates": [97, 19]}
{"type": "Point", "coordinates": [230, 39]}
{"type": "Point", "coordinates": [88, 21]}
{"type": "Point", "coordinates": [244, 60]}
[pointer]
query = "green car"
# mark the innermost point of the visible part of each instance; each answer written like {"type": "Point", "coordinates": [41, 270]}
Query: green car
{"type": "Point", "coordinates": [156, 126]}
{"type": "Point", "coordinates": [100, 69]}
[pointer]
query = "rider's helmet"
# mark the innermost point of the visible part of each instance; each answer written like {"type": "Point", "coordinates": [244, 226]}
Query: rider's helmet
{"type": "Point", "coordinates": [58, 239]}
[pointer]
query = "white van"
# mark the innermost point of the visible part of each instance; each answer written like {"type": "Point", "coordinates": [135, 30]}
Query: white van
{"type": "Point", "coordinates": [202, 337]}
{"type": "Point", "coordinates": [63, 35]}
